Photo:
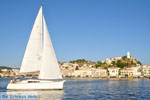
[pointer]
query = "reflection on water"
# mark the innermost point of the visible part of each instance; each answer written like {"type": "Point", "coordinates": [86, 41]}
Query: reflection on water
{"type": "Point", "coordinates": [107, 89]}
{"type": "Point", "coordinates": [50, 95]}
{"type": "Point", "coordinates": [76, 89]}
{"type": "Point", "coordinates": [3, 84]}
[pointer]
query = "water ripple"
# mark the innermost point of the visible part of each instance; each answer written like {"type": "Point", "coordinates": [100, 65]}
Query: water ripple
{"type": "Point", "coordinates": [91, 89]}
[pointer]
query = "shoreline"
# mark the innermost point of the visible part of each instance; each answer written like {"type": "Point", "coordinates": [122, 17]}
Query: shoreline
{"type": "Point", "coordinates": [110, 78]}
{"type": "Point", "coordinates": [131, 78]}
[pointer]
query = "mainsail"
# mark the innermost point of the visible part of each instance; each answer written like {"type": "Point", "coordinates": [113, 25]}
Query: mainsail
{"type": "Point", "coordinates": [32, 58]}
{"type": "Point", "coordinates": [50, 68]}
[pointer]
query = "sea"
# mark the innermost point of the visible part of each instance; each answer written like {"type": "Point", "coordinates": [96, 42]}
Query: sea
{"type": "Point", "coordinates": [90, 89]}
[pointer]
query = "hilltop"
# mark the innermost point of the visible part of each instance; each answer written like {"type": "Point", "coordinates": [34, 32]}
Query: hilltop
{"type": "Point", "coordinates": [120, 62]}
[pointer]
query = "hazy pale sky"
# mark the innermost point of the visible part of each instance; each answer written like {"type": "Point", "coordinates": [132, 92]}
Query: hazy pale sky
{"type": "Point", "coordinates": [89, 29]}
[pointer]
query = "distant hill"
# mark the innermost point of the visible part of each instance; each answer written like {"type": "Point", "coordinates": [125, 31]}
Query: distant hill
{"type": "Point", "coordinates": [5, 67]}
{"type": "Point", "coordinates": [81, 62]}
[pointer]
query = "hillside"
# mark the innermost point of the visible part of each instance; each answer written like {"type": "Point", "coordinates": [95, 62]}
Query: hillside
{"type": "Point", "coordinates": [121, 63]}
{"type": "Point", "coordinates": [5, 67]}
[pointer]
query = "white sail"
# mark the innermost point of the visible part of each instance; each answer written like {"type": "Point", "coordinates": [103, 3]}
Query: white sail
{"type": "Point", "coordinates": [49, 68]}
{"type": "Point", "coordinates": [39, 55]}
{"type": "Point", "coordinates": [32, 58]}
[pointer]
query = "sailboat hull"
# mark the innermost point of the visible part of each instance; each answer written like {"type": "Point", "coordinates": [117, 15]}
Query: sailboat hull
{"type": "Point", "coordinates": [36, 85]}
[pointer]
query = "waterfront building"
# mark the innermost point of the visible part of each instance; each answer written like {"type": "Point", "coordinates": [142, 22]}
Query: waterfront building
{"type": "Point", "coordinates": [76, 73]}
{"type": "Point", "coordinates": [128, 72]}
{"type": "Point", "coordinates": [89, 73]}
{"type": "Point", "coordinates": [79, 73]}
{"type": "Point", "coordinates": [146, 71]}
{"type": "Point", "coordinates": [131, 72]}
{"type": "Point", "coordinates": [100, 72]}
{"type": "Point", "coordinates": [136, 71]}
{"type": "Point", "coordinates": [67, 72]}
{"type": "Point", "coordinates": [113, 71]}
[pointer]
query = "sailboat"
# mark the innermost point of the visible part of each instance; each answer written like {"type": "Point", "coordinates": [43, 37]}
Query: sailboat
{"type": "Point", "coordinates": [39, 56]}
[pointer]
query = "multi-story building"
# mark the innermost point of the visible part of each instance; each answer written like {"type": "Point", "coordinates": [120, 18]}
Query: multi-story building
{"type": "Point", "coordinates": [131, 72]}
{"type": "Point", "coordinates": [136, 71]}
{"type": "Point", "coordinates": [113, 71]}
{"type": "Point", "coordinates": [90, 72]}
{"type": "Point", "coordinates": [67, 72]}
{"type": "Point", "coordinates": [146, 71]}
{"type": "Point", "coordinates": [100, 72]}
{"type": "Point", "coordinates": [128, 72]}
{"type": "Point", "coordinates": [79, 73]}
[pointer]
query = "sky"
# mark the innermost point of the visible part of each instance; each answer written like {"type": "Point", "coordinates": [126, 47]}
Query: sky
{"type": "Point", "coordinates": [89, 29]}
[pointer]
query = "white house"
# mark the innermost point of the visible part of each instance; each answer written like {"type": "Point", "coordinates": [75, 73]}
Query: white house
{"type": "Point", "coordinates": [136, 71]}
{"type": "Point", "coordinates": [113, 71]}
{"type": "Point", "coordinates": [146, 70]}
{"type": "Point", "coordinates": [4, 70]}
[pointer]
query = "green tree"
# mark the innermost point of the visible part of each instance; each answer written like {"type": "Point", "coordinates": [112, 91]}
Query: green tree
{"type": "Point", "coordinates": [124, 57]}
{"type": "Point", "coordinates": [77, 68]}
{"type": "Point", "coordinates": [105, 62]}
{"type": "Point", "coordinates": [138, 62]}
{"type": "Point", "coordinates": [121, 64]}
{"type": "Point", "coordinates": [113, 63]}
{"type": "Point", "coordinates": [132, 62]}
{"type": "Point", "coordinates": [99, 63]}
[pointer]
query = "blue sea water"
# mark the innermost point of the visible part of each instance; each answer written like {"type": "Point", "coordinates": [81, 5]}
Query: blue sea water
{"type": "Point", "coordinates": [94, 89]}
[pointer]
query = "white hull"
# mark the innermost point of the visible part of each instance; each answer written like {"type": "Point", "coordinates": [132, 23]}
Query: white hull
{"type": "Point", "coordinates": [36, 85]}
